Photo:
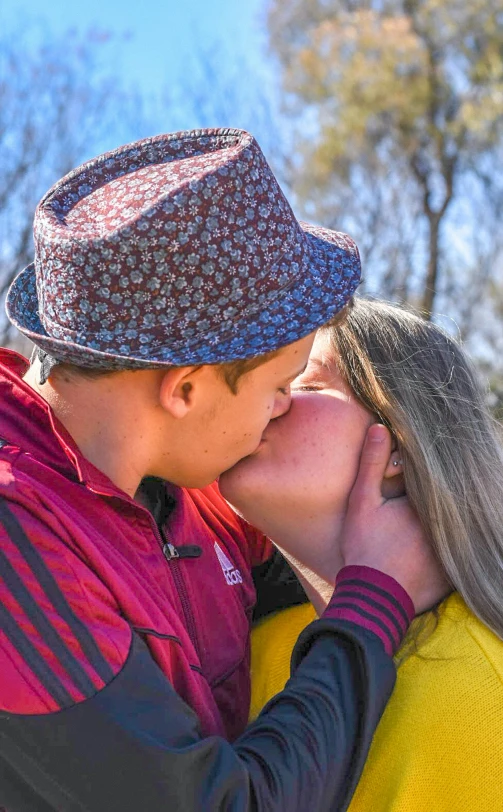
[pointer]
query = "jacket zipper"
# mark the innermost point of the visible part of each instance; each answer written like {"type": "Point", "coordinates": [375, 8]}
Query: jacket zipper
{"type": "Point", "coordinates": [172, 554]}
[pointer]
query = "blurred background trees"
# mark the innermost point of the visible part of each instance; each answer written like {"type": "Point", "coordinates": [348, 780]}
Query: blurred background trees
{"type": "Point", "coordinates": [380, 117]}
{"type": "Point", "coordinates": [397, 107]}
{"type": "Point", "coordinates": [58, 106]}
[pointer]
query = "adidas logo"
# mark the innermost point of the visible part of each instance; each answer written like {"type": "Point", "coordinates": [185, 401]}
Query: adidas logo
{"type": "Point", "coordinates": [232, 575]}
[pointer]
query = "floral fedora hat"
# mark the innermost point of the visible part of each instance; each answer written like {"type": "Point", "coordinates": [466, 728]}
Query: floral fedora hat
{"type": "Point", "coordinates": [179, 249]}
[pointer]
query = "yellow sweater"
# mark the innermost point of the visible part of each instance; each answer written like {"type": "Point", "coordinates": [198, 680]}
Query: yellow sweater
{"type": "Point", "coordinates": [439, 745]}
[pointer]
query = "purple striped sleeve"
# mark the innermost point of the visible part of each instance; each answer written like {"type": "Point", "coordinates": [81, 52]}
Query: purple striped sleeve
{"type": "Point", "coordinates": [373, 600]}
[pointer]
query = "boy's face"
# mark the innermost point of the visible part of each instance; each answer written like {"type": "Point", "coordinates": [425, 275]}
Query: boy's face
{"type": "Point", "coordinates": [221, 427]}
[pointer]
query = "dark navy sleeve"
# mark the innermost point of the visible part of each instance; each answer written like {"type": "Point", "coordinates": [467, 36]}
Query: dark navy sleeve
{"type": "Point", "coordinates": [135, 745]}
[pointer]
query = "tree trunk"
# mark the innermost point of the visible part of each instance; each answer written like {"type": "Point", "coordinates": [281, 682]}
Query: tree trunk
{"type": "Point", "coordinates": [430, 286]}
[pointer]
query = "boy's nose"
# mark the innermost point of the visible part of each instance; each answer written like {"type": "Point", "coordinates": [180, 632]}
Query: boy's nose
{"type": "Point", "coordinates": [282, 403]}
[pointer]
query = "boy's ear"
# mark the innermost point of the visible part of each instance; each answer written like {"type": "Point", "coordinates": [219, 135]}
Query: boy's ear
{"type": "Point", "coordinates": [176, 392]}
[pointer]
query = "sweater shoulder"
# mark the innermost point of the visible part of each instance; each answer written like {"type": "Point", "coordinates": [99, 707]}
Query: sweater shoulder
{"type": "Point", "coordinates": [452, 636]}
{"type": "Point", "coordinates": [447, 709]}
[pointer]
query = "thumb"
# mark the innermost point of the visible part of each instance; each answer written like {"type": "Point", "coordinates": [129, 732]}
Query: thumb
{"type": "Point", "coordinates": [373, 463]}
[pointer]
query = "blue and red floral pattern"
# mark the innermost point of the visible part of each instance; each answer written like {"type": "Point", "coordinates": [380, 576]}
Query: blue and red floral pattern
{"type": "Point", "coordinates": [178, 249]}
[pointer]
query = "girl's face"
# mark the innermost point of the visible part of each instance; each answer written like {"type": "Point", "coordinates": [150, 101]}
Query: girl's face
{"type": "Point", "coordinates": [306, 464]}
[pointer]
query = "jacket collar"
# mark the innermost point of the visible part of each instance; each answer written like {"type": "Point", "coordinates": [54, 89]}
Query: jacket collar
{"type": "Point", "coordinates": [28, 422]}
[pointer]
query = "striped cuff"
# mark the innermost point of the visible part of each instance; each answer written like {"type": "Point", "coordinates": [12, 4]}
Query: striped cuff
{"type": "Point", "coordinates": [373, 600]}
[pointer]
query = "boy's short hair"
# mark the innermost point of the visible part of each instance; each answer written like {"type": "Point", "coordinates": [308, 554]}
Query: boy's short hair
{"type": "Point", "coordinates": [231, 371]}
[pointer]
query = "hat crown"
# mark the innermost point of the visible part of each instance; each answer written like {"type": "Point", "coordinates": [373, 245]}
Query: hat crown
{"type": "Point", "coordinates": [120, 242]}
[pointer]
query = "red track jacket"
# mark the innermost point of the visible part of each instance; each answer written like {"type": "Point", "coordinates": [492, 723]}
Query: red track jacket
{"type": "Point", "coordinates": [112, 634]}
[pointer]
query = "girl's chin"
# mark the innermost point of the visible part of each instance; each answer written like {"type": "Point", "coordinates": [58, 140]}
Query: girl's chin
{"type": "Point", "coordinates": [249, 480]}
{"type": "Point", "coordinates": [230, 483]}
{"type": "Point", "coordinates": [239, 471]}
{"type": "Point", "coordinates": [237, 488]}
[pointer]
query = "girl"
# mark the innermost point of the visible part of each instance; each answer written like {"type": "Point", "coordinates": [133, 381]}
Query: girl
{"type": "Point", "coordinates": [439, 745]}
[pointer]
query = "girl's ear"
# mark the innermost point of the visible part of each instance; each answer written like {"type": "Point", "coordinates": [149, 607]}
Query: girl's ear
{"type": "Point", "coordinates": [394, 466]}
{"type": "Point", "coordinates": [393, 484]}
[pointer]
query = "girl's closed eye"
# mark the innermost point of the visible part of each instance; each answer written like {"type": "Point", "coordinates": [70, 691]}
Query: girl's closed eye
{"type": "Point", "coordinates": [306, 387]}
{"type": "Point", "coordinates": [307, 384]}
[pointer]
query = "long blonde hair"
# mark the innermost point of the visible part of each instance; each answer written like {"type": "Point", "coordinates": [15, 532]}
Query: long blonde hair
{"type": "Point", "coordinates": [419, 382]}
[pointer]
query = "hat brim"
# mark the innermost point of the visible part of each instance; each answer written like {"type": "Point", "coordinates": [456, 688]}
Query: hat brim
{"type": "Point", "coordinates": [330, 276]}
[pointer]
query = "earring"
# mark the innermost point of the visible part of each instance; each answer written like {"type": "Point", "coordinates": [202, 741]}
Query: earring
{"type": "Point", "coordinates": [397, 462]}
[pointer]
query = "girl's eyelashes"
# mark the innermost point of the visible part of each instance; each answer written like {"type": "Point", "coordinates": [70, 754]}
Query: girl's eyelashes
{"type": "Point", "coordinates": [305, 387]}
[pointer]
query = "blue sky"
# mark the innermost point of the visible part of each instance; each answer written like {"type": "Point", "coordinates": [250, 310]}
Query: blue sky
{"type": "Point", "coordinates": [161, 49]}
{"type": "Point", "coordinates": [160, 36]}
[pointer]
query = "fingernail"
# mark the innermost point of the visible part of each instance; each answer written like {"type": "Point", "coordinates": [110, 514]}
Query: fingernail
{"type": "Point", "coordinates": [377, 433]}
